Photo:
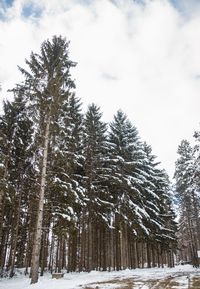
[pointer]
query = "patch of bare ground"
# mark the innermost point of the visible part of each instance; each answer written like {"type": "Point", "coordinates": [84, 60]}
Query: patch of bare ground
{"type": "Point", "coordinates": [131, 283]}
{"type": "Point", "coordinates": [176, 281]}
{"type": "Point", "coordinates": [128, 283]}
{"type": "Point", "coordinates": [195, 283]}
{"type": "Point", "coordinates": [120, 284]}
{"type": "Point", "coordinates": [167, 283]}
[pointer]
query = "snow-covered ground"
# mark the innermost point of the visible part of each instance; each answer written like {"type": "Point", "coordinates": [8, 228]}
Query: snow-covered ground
{"type": "Point", "coordinates": [96, 279]}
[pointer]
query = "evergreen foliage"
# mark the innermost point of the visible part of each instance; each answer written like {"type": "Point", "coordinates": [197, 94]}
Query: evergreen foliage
{"type": "Point", "coordinates": [187, 193]}
{"type": "Point", "coordinates": [76, 194]}
{"type": "Point", "coordinates": [16, 150]}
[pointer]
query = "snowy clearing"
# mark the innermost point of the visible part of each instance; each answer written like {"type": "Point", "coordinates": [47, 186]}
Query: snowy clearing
{"type": "Point", "coordinates": [170, 278]}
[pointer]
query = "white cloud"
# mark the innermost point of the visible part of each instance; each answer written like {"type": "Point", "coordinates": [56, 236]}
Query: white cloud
{"type": "Point", "coordinates": [141, 58]}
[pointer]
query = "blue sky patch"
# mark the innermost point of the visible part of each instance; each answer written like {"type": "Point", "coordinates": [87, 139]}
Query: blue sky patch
{"type": "Point", "coordinates": [28, 10]}
{"type": "Point", "coordinates": [31, 10]}
{"type": "Point", "coordinates": [4, 4]}
{"type": "Point", "coordinates": [186, 7]}
{"type": "Point", "coordinates": [8, 3]}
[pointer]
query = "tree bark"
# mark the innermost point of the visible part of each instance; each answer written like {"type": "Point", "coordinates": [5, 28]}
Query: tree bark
{"type": "Point", "coordinates": [2, 192]}
{"type": "Point", "coordinates": [38, 231]}
{"type": "Point", "coordinates": [13, 251]}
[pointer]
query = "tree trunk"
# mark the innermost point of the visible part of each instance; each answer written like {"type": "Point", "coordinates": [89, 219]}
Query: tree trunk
{"type": "Point", "coordinates": [13, 250]}
{"type": "Point", "coordinates": [2, 192]}
{"type": "Point", "coordinates": [196, 215]}
{"type": "Point", "coordinates": [4, 250]}
{"type": "Point", "coordinates": [51, 253]}
{"type": "Point", "coordinates": [38, 231]}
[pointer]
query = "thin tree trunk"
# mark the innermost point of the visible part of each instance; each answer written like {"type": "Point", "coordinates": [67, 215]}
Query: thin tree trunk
{"type": "Point", "coordinates": [196, 214]}
{"type": "Point", "coordinates": [2, 192]}
{"type": "Point", "coordinates": [13, 251]}
{"type": "Point", "coordinates": [148, 253]}
{"type": "Point", "coordinates": [43, 240]}
{"type": "Point", "coordinates": [82, 245]}
{"type": "Point", "coordinates": [4, 250]}
{"type": "Point", "coordinates": [29, 245]}
{"type": "Point", "coordinates": [51, 253]}
{"type": "Point", "coordinates": [38, 231]}
{"type": "Point", "coordinates": [60, 253]}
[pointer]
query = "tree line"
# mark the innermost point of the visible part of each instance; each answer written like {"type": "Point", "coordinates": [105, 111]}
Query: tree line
{"type": "Point", "coordinates": [76, 193]}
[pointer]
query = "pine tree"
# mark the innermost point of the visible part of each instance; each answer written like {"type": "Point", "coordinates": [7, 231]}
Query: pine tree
{"type": "Point", "coordinates": [16, 127]}
{"type": "Point", "coordinates": [140, 191]}
{"type": "Point", "coordinates": [126, 177]}
{"type": "Point", "coordinates": [157, 200]}
{"type": "Point", "coordinates": [4, 156]}
{"type": "Point", "coordinates": [95, 147]}
{"type": "Point", "coordinates": [67, 193]}
{"type": "Point", "coordinates": [127, 184]}
{"type": "Point", "coordinates": [187, 194]}
{"type": "Point", "coordinates": [166, 233]}
{"type": "Point", "coordinates": [96, 173]}
{"type": "Point", "coordinates": [6, 131]}
{"type": "Point", "coordinates": [47, 84]}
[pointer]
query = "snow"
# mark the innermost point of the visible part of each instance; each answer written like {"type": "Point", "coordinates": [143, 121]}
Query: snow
{"type": "Point", "coordinates": [80, 280]}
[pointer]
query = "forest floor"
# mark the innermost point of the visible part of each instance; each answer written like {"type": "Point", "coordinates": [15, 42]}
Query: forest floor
{"type": "Point", "coordinates": [180, 277]}
{"type": "Point", "coordinates": [176, 281]}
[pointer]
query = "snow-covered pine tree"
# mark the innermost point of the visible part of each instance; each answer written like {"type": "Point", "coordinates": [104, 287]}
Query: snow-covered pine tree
{"type": "Point", "coordinates": [127, 183]}
{"type": "Point", "coordinates": [188, 196]}
{"type": "Point", "coordinates": [4, 159]}
{"type": "Point", "coordinates": [6, 132]}
{"type": "Point", "coordinates": [165, 235]}
{"type": "Point", "coordinates": [95, 218]}
{"type": "Point", "coordinates": [66, 195]}
{"type": "Point", "coordinates": [17, 128]}
{"type": "Point", "coordinates": [47, 85]}
{"type": "Point", "coordinates": [157, 203]}
{"type": "Point", "coordinates": [140, 195]}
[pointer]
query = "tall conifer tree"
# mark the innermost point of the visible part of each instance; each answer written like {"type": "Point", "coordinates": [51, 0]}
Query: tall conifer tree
{"type": "Point", "coordinates": [95, 149]}
{"type": "Point", "coordinates": [47, 84]}
{"type": "Point", "coordinates": [127, 178]}
{"type": "Point", "coordinates": [188, 196]}
{"type": "Point", "coordinates": [17, 129]}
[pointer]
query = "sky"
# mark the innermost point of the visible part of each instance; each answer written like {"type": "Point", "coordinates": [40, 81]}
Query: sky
{"type": "Point", "coordinates": [141, 56]}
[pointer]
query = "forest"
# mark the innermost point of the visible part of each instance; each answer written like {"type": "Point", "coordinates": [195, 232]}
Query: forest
{"type": "Point", "coordinates": [78, 194]}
